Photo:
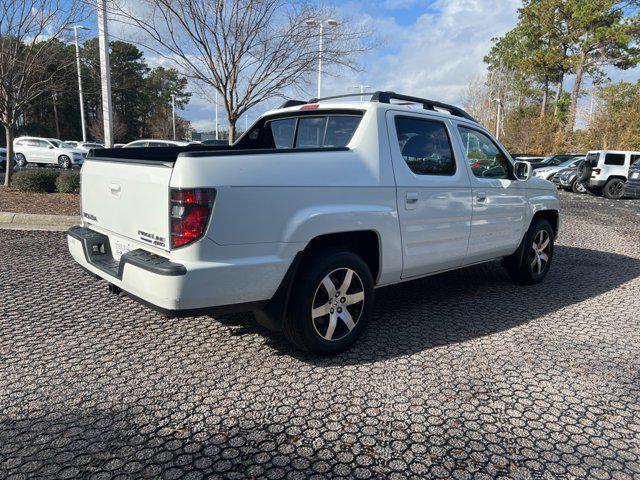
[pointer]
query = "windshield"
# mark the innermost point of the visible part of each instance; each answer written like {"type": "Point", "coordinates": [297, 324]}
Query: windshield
{"type": "Point", "coordinates": [59, 144]}
{"type": "Point", "coordinates": [571, 161]}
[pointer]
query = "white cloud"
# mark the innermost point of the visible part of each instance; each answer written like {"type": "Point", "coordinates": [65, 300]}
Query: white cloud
{"type": "Point", "coordinates": [441, 51]}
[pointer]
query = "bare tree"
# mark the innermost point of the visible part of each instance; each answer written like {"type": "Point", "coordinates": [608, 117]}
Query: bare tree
{"type": "Point", "coordinates": [248, 51]}
{"type": "Point", "coordinates": [29, 30]}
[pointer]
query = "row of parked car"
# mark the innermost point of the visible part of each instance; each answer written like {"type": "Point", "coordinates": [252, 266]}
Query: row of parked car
{"type": "Point", "coordinates": [52, 151]}
{"type": "Point", "coordinates": [614, 174]}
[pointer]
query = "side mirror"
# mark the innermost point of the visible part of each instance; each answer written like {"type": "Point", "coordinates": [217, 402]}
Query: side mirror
{"type": "Point", "coordinates": [522, 171]}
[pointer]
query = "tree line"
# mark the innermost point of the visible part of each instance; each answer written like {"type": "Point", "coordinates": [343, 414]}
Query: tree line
{"type": "Point", "coordinates": [538, 71]}
{"type": "Point", "coordinates": [141, 96]}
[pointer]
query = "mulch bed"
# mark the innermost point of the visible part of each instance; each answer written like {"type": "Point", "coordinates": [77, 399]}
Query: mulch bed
{"type": "Point", "coordinates": [43, 203]}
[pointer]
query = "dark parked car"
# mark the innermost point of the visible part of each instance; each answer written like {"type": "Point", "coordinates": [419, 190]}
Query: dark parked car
{"type": "Point", "coordinates": [567, 179]}
{"type": "Point", "coordinates": [632, 187]}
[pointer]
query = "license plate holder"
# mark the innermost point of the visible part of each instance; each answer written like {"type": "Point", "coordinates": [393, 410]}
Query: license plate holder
{"type": "Point", "coordinates": [120, 247]}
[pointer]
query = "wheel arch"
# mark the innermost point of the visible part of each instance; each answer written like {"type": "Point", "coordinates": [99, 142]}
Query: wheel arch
{"type": "Point", "coordinates": [613, 177]}
{"type": "Point", "coordinates": [552, 216]}
{"type": "Point", "coordinates": [365, 243]}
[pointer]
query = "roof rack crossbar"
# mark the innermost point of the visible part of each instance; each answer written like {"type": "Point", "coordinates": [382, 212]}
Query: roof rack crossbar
{"type": "Point", "coordinates": [386, 97]}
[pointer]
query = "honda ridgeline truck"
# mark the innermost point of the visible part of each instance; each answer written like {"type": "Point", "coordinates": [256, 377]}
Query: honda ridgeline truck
{"type": "Point", "coordinates": [314, 207]}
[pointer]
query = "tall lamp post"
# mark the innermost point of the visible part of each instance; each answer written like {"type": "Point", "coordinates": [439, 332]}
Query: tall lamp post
{"type": "Point", "coordinates": [362, 88]}
{"type": "Point", "coordinates": [312, 23]}
{"type": "Point", "coordinates": [173, 114]}
{"type": "Point", "coordinates": [105, 73]}
{"type": "Point", "coordinates": [498, 117]}
{"type": "Point", "coordinates": [75, 29]}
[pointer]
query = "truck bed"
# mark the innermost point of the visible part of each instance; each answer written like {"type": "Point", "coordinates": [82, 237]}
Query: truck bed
{"type": "Point", "coordinates": [152, 154]}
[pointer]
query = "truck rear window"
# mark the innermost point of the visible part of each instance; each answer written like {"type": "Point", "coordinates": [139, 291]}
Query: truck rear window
{"type": "Point", "coordinates": [314, 131]}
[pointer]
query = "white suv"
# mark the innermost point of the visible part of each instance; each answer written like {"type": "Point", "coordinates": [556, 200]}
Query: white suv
{"type": "Point", "coordinates": [607, 171]}
{"type": "Point", "coordinates": [46, 151]}
{"type": "Point", "coordinates": [316, 205]}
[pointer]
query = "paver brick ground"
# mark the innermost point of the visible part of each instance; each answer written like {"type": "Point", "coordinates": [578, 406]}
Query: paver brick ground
{"type": "Point", "coordinates": [461, 375]}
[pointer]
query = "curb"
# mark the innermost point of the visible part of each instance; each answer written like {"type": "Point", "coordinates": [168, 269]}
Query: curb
{"type": "Point", "coordinates": [34, 221]}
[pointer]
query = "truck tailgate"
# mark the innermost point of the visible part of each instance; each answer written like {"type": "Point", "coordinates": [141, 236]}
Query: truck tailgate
{"type": "Point", "coordinates": [127, 198]}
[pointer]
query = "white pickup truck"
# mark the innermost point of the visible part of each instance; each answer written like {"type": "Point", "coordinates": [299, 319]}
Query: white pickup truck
{"type": "Point", "coordinates": [316, 205]}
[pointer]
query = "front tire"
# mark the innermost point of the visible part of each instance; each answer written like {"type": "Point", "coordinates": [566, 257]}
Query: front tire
{"type": "Point", "coordinates": [614, 189]}
{"type": "Point", "coordinates": [578, 187]}
{"type": "Point", "coordinates": [21, 160]}
{"type": "Point", "coordinates": [536, 256]}
{"type": "Point", "coordinates": [331, 303]}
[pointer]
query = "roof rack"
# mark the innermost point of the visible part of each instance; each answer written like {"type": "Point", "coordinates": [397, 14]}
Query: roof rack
{"type": "Point", "coordinates": [386, 97]}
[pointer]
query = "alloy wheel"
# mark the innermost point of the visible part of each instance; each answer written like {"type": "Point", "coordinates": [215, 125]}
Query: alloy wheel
{"type": "Point", "coordinates": [540, 251]}
{"type": "Point", "coordinates": [616, 189]}
{"type": "Point", "coordinates": [337, 304]}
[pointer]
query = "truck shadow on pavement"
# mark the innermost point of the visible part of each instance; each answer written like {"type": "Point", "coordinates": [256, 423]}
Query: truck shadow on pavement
{"type": "Point", "coordinates": [470, 303]}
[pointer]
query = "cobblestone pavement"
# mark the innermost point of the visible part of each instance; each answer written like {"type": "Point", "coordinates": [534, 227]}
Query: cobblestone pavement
{"type": "Point", "coordinates": [462, 375]}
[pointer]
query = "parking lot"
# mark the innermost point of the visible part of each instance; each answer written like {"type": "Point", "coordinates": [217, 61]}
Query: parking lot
{"type": "Point", "coordinates": [461, 375]}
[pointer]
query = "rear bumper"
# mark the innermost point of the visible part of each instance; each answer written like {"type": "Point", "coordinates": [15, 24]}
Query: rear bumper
{"type": "Point", "coordinates": [596, 183]}
{"type": "Point", "coordinates": [171, 288]}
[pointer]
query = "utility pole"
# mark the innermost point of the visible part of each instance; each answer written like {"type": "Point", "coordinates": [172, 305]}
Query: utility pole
{"type": "Point", "coordinates": [105, 73]}
{"type": "Point", "coordinates": [173, 114]}
{"type": "Point", "coordinates": [216, 114]}
{"type": "Point", "coordinates": [362, 87]}
{"type": "Point", "coordinates": [75, 36]}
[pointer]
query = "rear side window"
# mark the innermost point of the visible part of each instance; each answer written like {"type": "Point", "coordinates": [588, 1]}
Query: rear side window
{"type": "Point", "coordinates": [614, 159]}
{"type": "Point", "coordinates": [425, 146]}
{"type": "Point", "coordinates": [314, 131]}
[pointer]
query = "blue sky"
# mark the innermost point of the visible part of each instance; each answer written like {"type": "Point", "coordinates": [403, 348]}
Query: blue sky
{"type": "Point", "coordinates": [429, 48]}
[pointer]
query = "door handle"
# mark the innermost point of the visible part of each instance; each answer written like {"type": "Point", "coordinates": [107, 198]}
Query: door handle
{"type": "Point", "coordinates": [481, 196]}
{"type": "Point", "coordinates": [114, 187]}
{"type": "Point", "coordinates": [411, 198]}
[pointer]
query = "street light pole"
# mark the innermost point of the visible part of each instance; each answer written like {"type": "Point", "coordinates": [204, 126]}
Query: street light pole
{"type": "Point", "coordinates": [362, 87]}
{"type": "Point", "coordinates": [498, 117]}
{"type": "Point", "coordinates": [216, 114]}
{"type": "Point", "coordinates": [75, 37]}
{"type": "Point", "coordinates": [105, 73]}
{"type": "Point", "coordinates": [173, 114]}
{"type": "Point", "coordinates": [313, 23]}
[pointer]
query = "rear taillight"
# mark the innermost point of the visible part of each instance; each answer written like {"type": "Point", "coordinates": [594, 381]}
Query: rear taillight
{"type": "Point", "coordinates": [596, 171]}
{"type": "Point", "coordinates": [189, 214]}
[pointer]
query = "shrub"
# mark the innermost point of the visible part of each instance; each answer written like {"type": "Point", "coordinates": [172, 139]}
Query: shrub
{"type": "Point", "coordinates": [68, 182]}
{"type": "Point", "coordinates": [40, 181]}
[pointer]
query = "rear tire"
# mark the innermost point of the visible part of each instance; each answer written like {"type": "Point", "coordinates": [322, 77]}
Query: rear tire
{"type": "Point", "coordinates": [331, 303]}
{"type": "Point", "coordinates": [536, 256]}
{"type": "Point", "coordinates": [64, 162]}
{"type": "Point", "coordinates": [614, 189]}
{"type": "Point", "coordinates": [21, 160]}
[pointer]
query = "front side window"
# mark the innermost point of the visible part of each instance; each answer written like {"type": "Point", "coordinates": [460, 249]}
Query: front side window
{"type": "Point", "coordinates": [614, 159]}
{"type": "Point", "coordinates": [484, 157]}
{"type": "Point", "coordinates": [425, 146]}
